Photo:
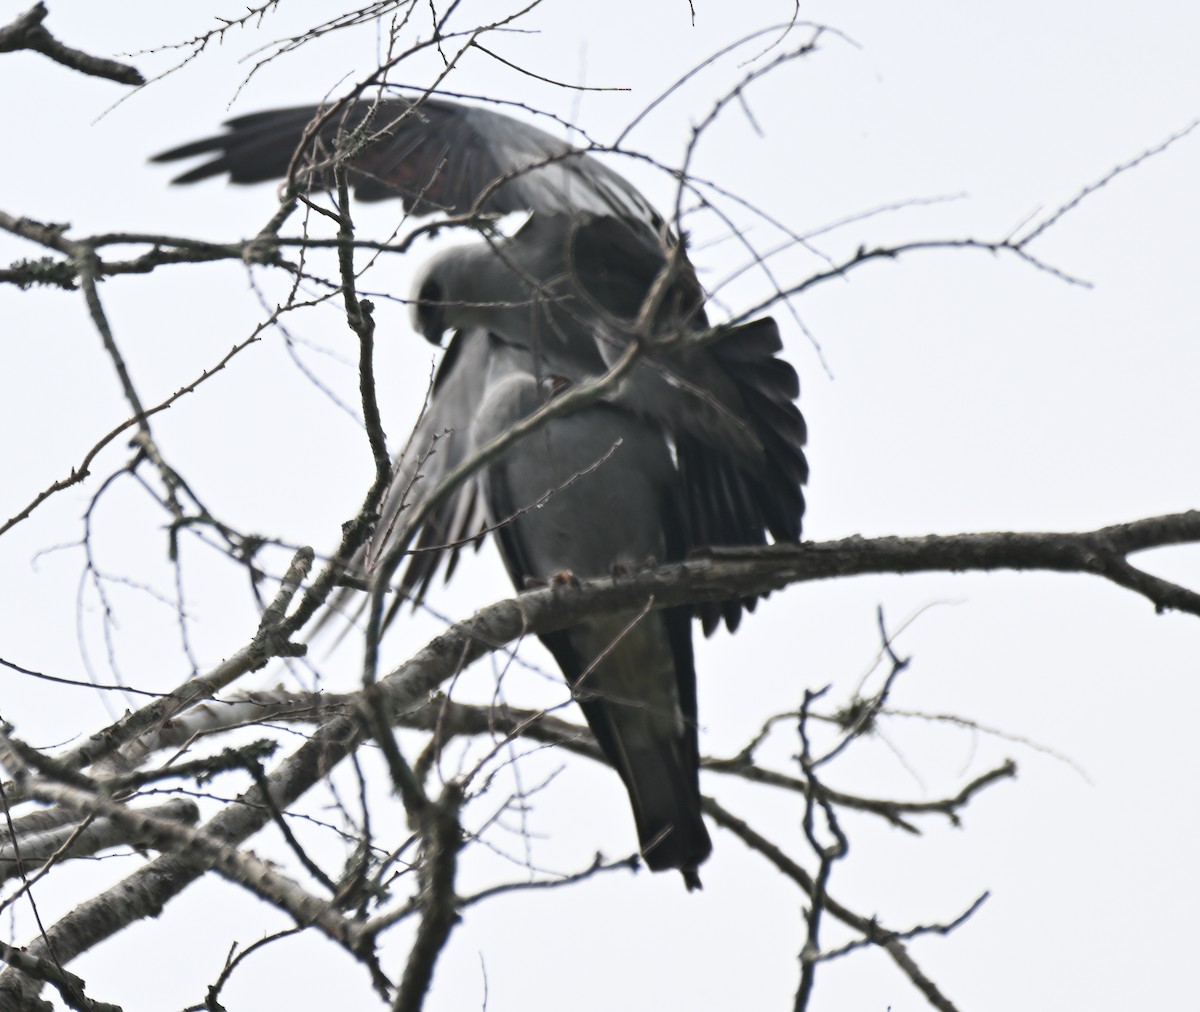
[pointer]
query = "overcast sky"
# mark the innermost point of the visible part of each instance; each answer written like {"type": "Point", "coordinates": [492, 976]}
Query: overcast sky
{"type": "Point", "coordinates": [952, 391]}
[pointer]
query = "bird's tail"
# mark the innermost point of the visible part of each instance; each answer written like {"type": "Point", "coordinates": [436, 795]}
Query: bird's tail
{"type": "Point", "coordinates": [665, 798]}
{"type": "Point", "coordinates": [642, 709]}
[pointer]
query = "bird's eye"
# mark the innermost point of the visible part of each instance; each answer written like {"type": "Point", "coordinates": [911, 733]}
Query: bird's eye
{"type": "Point", "coordinates": [431, 292]}
{"type": "Point", "coordinates": [430, 313]}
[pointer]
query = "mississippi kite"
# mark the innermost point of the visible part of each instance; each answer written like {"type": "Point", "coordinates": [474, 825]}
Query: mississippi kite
{"type": "Point", "coordinates": [701, 444]}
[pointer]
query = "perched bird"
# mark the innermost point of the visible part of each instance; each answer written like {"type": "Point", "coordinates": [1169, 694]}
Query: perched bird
{"type": "Point", "coordinates": [701, 444]}
{"type": "Point", "coordinates": [615, 501]}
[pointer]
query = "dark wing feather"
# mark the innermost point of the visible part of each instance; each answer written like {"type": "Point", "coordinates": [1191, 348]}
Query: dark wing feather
{"type": "Point", "coordinates": [729, 404]}
{"type": "Point", "coordinates": [731, 504]}
{"type": "Point", "coordinates": [432, 154]}
{"type": "Point", "coordinates": [440, 443]}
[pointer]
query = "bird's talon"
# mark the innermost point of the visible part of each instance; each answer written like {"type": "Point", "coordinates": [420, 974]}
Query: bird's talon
{"type": "Point", "coordinates": [564, 578]}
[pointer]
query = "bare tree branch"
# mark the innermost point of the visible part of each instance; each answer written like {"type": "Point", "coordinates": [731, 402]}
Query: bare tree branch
{"type": "Point", "coordinates": [869, 927]}
{"type": "Point", "coordinates": [100, 834]}
{"type": "Point", "coordinates": [27, 32]}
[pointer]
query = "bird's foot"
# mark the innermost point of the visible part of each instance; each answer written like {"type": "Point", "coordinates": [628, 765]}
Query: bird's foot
{"type": "Point", "coordinates": [619, 569]}
{"type": "Point", "coordinates": [564, 578]}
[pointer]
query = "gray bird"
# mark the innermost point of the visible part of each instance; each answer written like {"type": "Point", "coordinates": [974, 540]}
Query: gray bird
{"type": "Point", "coordinates": [702, 444]}
{"type": "Point", "coordinates": [606, 495]}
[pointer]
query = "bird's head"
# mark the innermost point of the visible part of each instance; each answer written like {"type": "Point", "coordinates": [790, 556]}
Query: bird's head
{"type": "Point", "coordinates": [446, 294]}
{"type": "Point", "coordinates": [427, 308]}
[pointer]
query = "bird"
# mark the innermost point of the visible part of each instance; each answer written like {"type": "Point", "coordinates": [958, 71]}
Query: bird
{"type": "Point", "coordinates": [700, 444]}
{"type": "Point", "coordinates": [606, 498]}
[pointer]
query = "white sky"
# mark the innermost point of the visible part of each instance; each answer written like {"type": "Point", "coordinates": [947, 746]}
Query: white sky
{"type": "Point", "coordinates": [963, 393]}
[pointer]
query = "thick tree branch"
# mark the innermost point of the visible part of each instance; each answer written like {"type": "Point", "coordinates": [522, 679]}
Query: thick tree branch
{"type": "Point", "coordinates": [441, 839]}
{"type": "Point", "coordinates": [238, 866]}
{"type": "Point", "coordinates": [70, 987]}
{"type": "Point", "coordinates": [101, 834]}
{"type": "Point", "coordinates": [144, 893]}
{"type": "Point", "coordinates": [732, 573]}
{"type": "Point", "coordinates": [27, 32]}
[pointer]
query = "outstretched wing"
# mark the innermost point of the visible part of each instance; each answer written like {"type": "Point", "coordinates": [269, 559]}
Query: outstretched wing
{"type": "Point", "coordinates": [432, 154]}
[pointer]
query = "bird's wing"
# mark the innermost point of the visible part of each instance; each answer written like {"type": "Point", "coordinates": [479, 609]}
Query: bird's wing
{"type": "Point", "coordinates": [583, 494]}
{"type": "Point", "coordinates": [440, 442]}
{"type": "Point", "coordinates": [730, 503]}
{"type": "Point", "coordinates": [727, 399]}
{"type": "Point", "coordinates": [571, 288]}
{"type": "Point", "coordinates": [435, 155]}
